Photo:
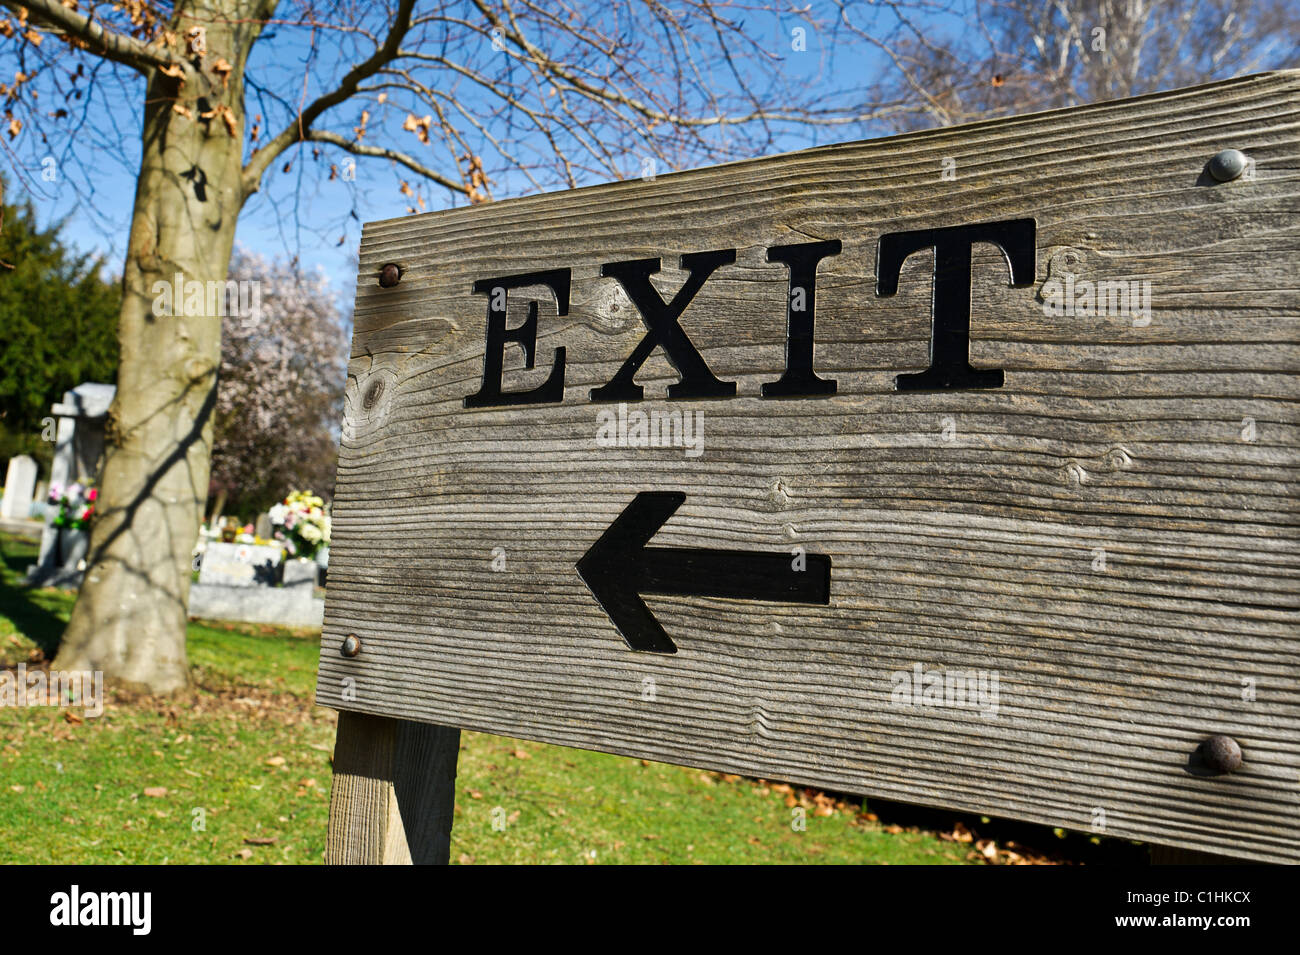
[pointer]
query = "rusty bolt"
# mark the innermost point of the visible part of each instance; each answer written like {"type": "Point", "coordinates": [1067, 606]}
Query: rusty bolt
{"type": "Point", "coordinates": [1221, 754]}
{"type": "Point", "coordinates": [389, 275]}
{"type": "Point", "coordinates": [351, 645]}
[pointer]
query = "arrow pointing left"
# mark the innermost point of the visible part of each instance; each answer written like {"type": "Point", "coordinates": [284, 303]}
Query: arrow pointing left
{"type": "Point", "coordinates": [619, 567]}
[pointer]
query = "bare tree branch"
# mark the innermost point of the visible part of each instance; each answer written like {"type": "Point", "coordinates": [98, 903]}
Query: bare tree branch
{"type": "Point", "coordinates": [379, 152]}
{"type": "Point", "coordinates": [296, 130]}
{"type": "Point", "coordinates": [118, 47]}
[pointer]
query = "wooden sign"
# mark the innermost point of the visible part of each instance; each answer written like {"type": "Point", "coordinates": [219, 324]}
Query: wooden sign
{"type": "Point", "coordinates": [956, 468]}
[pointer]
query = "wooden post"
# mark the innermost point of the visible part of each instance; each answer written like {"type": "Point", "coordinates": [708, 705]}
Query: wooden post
{"type": "Point", "coordinates": [394, 792]}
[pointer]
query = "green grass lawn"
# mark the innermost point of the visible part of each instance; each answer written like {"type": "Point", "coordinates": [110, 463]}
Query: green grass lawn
{"type": "Point", "coordinates": [238, 771]}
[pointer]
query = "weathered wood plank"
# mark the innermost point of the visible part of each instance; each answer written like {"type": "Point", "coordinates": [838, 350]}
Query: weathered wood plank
{"type": "Point", "coordinates": [1114, 532]}
{"type": "Point", "coordinates": [393, 792]}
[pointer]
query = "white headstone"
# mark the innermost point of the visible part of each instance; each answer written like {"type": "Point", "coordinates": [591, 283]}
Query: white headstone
{"type": "Point", "coordinates": [20, 485]}
{"type": "Point", "coordinates": [239, 565]}
{"type": "Point", "coordinates": [298, 570]}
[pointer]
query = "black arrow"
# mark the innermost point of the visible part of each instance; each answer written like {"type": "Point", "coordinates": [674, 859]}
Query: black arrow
{"type": "Point", "coordinates": [620, 567]}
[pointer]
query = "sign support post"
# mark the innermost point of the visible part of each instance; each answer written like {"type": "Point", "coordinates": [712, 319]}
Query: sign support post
{"type": "Point", "coordinates": [394, 792]}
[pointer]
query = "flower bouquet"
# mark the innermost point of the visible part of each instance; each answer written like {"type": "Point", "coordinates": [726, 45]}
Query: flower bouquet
{"type": "Point", "coordinates": [76, 504]}
{"type": "Point", "coordinates": [302, 524]}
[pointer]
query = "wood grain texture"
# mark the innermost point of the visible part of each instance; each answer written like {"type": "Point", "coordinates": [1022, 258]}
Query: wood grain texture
{"type": "Point", "coordinates": [965, 527]}
{"type": "Point", "coordinates": [393, 792]}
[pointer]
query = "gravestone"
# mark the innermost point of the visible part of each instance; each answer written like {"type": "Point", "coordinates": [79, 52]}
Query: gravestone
{"type": "Point", "coordinates": [239, 565]}
{"type": "Point", "coordinates": [78, 455]}
{"type": "Point", "coordinates": [262, 526]}
{"type": "Point", "coordinates": [299, 571]}
{"type": "Point", "coordinates": [239, 582]}
{"type": "Point", "coordinates": [20, 485]}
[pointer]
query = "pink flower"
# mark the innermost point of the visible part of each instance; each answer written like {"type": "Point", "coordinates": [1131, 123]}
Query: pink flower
{"type": "Point", "coordinates": [93, 494]}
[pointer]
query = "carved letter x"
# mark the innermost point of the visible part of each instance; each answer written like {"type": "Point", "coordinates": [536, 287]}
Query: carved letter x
{"type": "Point", "coordinates": [660, 320]}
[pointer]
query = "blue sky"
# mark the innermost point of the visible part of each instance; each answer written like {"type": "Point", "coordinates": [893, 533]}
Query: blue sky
{"type": "Point", "coordinates": [303, 213]}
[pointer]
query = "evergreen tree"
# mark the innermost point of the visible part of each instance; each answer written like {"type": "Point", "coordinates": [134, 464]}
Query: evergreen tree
{"type": "Point", "coordinates": [58, 321]}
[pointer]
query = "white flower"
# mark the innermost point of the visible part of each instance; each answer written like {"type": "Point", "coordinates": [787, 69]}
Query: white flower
{"type": "Point", "coordinates": [310, 532]}
{"type": "Point", "coordinates": [277, 513]}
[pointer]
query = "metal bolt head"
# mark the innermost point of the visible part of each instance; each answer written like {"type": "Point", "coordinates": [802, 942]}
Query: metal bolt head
{"type": "Point", "coordinates": [1228, 165]}
{"type": "Point", "coordinates": [389, 275]}
{"type": "Point", "coordinates": [1221, 754]}
{"type": "Point", "coordinates": [351, 645]}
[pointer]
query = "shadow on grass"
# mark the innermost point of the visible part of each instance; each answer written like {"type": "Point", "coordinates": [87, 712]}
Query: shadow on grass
{"type": "Point", "coordinates": [38, 623]}
{"type": "Point", "coordinates": [17, 559]}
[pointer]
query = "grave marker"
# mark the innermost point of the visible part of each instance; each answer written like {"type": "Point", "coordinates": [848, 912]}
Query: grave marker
{"type": "Point", "coordinates": [20, 487]}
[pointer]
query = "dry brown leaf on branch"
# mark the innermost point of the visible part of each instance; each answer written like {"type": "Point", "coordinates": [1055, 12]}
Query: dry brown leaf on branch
{"type": "Point", "coordinates": [406, 189]}
{"type": "Point", "coordinates": [228, 117]}
{"type": "Point", "coordinates": [223, 69]}
{"type": "Point", "coordinates": [15, 127]}
{"type": "Point", "coordinates": [418, 125]}
{"type": "Point", "coordinates": [33, 37]}
{"type": "Point", "coordinates": [183, 110]}
{"type": "Point", "coordinates": [6, 29]}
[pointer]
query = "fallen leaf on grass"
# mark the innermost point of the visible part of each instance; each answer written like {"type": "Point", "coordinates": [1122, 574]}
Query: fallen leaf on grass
{"type": "Point", "coordinates": [155, 792]}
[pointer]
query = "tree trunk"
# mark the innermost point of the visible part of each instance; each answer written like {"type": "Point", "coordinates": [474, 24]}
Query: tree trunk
{"type": "Point", "coordinates": [130, 617]}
